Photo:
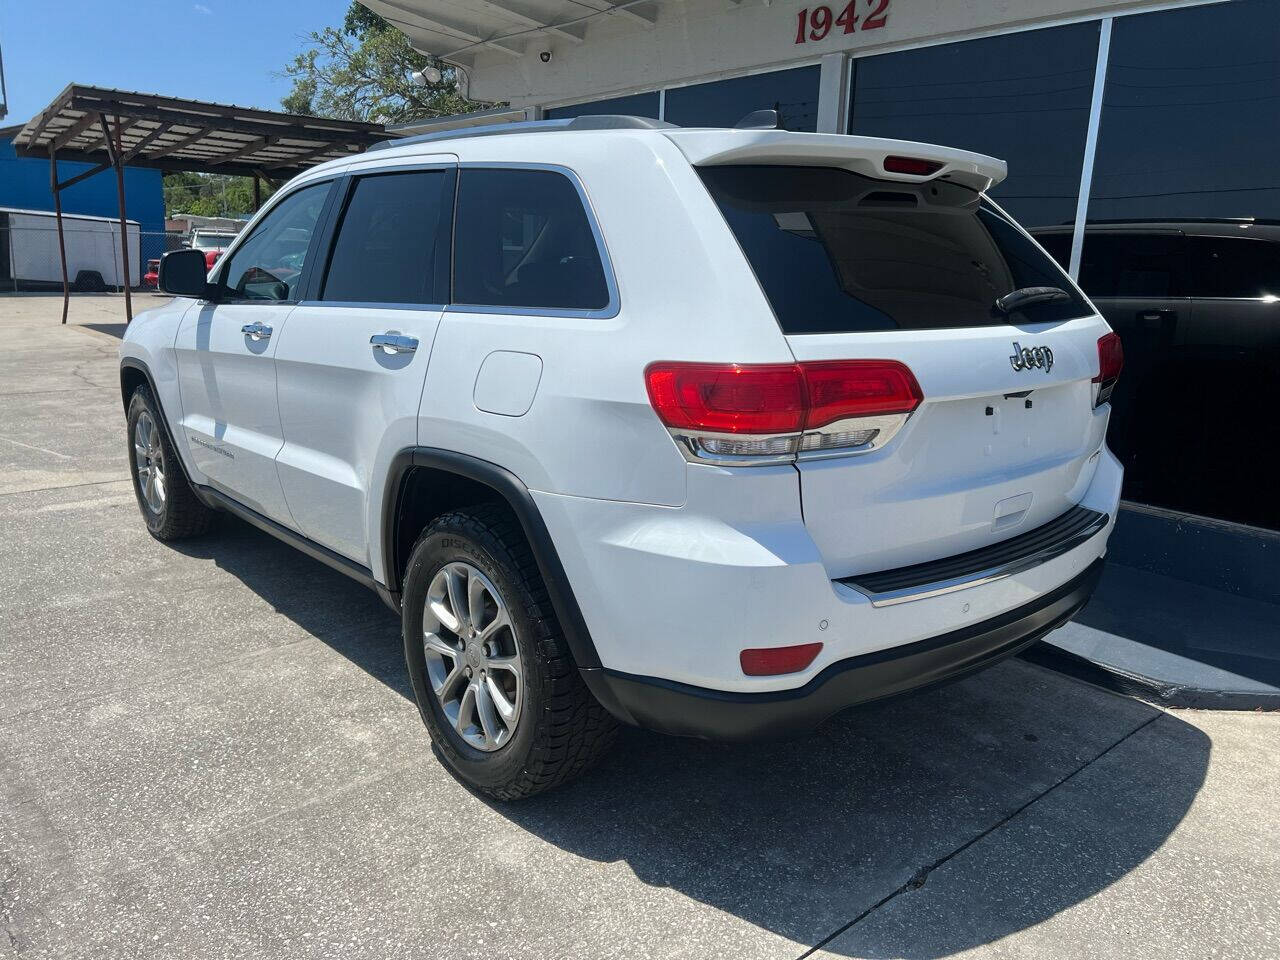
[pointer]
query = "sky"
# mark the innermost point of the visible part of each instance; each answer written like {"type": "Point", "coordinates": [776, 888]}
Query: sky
{"type": "Point", "coordinates": [223, 50]}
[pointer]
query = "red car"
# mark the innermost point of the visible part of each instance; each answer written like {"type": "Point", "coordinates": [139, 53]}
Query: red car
{"type": "Point", "coordinates": [152, 277]}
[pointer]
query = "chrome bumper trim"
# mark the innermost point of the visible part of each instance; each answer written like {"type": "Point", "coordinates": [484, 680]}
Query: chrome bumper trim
{"type": "Point", "coordinates": [986, 565]}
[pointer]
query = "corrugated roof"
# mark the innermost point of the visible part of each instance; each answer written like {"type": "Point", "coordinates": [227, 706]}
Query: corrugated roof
{"type": "Point", "coordinates": [196, 135]}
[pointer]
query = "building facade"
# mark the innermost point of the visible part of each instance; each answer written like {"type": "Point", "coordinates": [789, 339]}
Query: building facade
{"type": "Point", "coordinates": [1140, 140]}
{"type": "Point", "coordinates": [24, 184]}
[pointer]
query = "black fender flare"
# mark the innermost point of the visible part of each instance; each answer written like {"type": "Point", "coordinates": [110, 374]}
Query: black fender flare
{"type": "Point", "coordinates": [514, 492]}
{"type": "Point", "coordinates": [510, 488]}
{"type": "Point", "coordinates": [133, 363]}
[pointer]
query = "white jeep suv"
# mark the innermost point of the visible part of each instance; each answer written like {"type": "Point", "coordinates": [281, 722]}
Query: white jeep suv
{"type": "Point", "coordinates": [713, 431]}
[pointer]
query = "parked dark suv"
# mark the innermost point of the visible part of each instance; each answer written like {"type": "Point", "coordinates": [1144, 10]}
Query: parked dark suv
{"type": "Point", "coordinates": [1197, 305]}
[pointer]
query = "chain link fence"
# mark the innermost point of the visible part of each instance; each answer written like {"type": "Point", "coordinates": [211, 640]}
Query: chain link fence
{"type": "Point", "coordinates": [29, 259]}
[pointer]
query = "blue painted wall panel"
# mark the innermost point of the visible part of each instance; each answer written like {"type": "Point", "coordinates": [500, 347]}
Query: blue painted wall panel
{"type": "Point", "coordinates": [24, 182]}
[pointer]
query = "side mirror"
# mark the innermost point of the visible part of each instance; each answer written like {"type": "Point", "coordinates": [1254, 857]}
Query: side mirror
{"type": "Point", "coordinates": [183, 273]}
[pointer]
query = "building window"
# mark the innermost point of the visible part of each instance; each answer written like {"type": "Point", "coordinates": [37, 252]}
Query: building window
{"type": "Point", "coordinates": [722, 103]}
{"type": "Point", "coordinates": [1189, 115]}
{"type": "Point", "coordinates": [636, 105]}
{"type": "Point", "coordinates": [1023, 97]}
{"type": "Point", "coordinates": [1187, 136]}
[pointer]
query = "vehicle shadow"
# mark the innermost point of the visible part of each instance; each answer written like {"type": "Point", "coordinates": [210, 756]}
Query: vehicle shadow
{"type": "Point", "coordinates": [333, 608]}
{"type": "Point", "coordinates": [116, 330]}
{"type": "Point", "coordinates": [967, 813]}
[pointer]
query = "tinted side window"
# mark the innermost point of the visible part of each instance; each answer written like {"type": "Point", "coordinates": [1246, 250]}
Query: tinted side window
{"type": "Point", "coordinates": [1138, 265]}
{"type": "Point", "coordinates": [268, 265]}
{"type": "Point", "coordinates": [523, 240]}
{"type": "Point", "coordinates": [392, 243]}
{"type": "Point", "coordinates": [1233, 267]}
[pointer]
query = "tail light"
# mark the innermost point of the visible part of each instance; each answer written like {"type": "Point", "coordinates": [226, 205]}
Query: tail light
{"type": "Point", "coordinates": [768, 413]}
{"type": "Point", "coordinates": [1110, 363]}
{"type": "Point", "coordinates": [915, 166]}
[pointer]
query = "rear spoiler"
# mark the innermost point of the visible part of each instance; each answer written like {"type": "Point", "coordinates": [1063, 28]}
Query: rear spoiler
{"type": "Point", "coordinates": [864, 155]}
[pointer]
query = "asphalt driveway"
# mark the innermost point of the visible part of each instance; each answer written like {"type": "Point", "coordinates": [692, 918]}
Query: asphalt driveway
{"type": "Point", "coordinates": [210, 751]}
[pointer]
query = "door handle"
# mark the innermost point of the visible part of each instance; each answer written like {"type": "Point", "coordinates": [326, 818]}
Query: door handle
{"type": "Point", "coordinates": [256, 331]}
{"type": "Point", "coordinates": [394, 342]}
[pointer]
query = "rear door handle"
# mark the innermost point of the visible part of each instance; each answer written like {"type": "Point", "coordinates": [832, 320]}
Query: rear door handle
{"type": "Point", "coordinates": [256, 331]}
{"type": "Point", "coordinates": [394, 342]}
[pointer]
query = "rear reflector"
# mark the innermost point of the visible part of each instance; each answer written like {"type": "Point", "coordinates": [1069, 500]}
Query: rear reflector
{"type": "Point", "coordinates": [916, 166]}
{"type": "Point", "coordinates": [778, 398]}
{"type": "Point", "coordinates": [772, 661]}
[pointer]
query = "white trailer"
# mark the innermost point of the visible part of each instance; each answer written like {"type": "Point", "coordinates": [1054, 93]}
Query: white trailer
{"type": "Point", "coordinates": [29, 249]}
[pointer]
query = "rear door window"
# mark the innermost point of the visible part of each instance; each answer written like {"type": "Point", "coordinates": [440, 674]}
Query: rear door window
{"type": "Point", "coordinates": [837, 252]}
{"type": "Point", "coordinates": [523, 240]}
{"type": "Point", "coordinates": [393, 240]}
{"type": "Point", "coordinates": [1235, 268]}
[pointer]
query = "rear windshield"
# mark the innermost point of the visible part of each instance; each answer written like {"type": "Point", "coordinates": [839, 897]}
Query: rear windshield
{"type": "Point", "coordinates": [837, 252]}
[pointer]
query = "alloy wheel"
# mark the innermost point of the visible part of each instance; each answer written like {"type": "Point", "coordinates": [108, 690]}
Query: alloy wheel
{"type": "Point", "coordinates": [472, 655]}
{"type": "Point", "coordinates": [148, 457]}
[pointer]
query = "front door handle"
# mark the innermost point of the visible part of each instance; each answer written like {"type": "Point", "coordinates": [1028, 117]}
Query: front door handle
{"type": "Point", "coordinates": [394, 342]}
{"type": "Point", "coordinates": [256, 331]}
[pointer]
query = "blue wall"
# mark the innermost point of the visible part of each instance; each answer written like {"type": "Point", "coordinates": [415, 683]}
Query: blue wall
{"type": "Point", "coordinates": [24, 182]}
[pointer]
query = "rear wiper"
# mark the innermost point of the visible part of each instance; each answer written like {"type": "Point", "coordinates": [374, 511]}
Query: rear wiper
{"type": "Point", "coordinates": [1025, 296]}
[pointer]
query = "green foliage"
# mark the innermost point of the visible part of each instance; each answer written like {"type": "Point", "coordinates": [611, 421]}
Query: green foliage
{"type": "Point", "coordinates": [210, 195]}
{"type": "Point", "coordinates": [362, 72]}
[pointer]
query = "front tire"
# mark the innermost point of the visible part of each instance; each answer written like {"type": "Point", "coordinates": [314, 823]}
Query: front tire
{"type": "Point", "coordinates": [168, 504]}
{"type": "Point", "coordinates": [492, 675]}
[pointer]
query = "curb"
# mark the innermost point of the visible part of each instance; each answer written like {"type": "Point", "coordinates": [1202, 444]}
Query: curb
{"type": "Point", "coordinates": [1150, 689]}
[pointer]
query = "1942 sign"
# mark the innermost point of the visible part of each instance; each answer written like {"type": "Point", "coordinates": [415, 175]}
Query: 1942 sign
{"type": "Point", "coordinates": [816, 23]}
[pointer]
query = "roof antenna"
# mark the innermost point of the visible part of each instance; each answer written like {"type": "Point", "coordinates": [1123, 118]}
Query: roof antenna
{"type": "Point", "coordinates": [759, 120]}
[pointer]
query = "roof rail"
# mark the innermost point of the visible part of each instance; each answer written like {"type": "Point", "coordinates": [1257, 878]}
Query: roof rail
{"type": "Point", "coordinates": [604, 121]}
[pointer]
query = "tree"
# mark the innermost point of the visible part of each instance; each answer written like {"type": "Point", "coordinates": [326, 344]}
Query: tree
{"type": "Point", "coordinates": [210, 195]}
{"type": "Point", "coordinates": [363, 71]}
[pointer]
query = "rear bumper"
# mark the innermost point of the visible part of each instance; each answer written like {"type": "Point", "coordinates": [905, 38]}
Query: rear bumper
{"type": "Point", "coordinates": [686, 710]}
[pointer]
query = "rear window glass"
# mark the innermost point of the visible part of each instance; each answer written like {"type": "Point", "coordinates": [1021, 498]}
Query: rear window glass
{"type": "Point", "coordinates": [837, 252]}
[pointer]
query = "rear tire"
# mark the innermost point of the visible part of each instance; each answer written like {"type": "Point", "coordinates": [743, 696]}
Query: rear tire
{"type": "Point", "coordinates": [169, 506]}
{"type": "Point", "coordinates": [504, 704]}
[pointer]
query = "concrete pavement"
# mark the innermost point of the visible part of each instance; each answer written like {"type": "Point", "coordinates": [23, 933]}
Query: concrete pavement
{"type": "Point", "coordinates": [209, 751]}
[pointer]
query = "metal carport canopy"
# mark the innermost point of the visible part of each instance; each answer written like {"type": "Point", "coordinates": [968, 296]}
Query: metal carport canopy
{"type": "Point", "coordinates": [119, 128]}
{"type": "Point", "coordinates": [456, 32]}
{"type": "Point", "coordinates": [192, 135]}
